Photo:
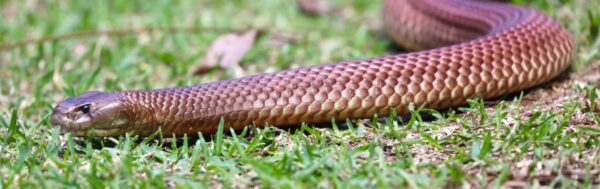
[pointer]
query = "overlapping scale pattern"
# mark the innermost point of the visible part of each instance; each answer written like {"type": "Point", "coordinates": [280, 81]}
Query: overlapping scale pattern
{"type": "Point", "coordinates": [489, 50]}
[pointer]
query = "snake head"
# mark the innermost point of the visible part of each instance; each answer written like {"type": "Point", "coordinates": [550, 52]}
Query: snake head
{"type": "Point", "coordinates": [91, 114]}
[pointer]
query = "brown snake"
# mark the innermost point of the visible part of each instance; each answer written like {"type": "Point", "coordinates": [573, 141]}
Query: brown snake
{"type": "Point", "coordinates": [480, 49]}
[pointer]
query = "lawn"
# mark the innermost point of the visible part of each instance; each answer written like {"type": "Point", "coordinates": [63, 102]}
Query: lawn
{"type": "Point", "coordinates": [548, 135]}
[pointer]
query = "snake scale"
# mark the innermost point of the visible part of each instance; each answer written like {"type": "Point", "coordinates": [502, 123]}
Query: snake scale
{"type": "Point", "coordinates": [466, 49]}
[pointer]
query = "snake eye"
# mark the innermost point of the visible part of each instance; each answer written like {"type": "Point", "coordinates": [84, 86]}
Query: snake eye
{"type": "Point", "coordinates": [84, 108]}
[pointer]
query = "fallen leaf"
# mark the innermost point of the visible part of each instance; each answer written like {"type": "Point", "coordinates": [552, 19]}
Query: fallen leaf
{"type": "Point", "coordinates": [314, 7]}
{"type": "Point", "coordinates": [226, 51]}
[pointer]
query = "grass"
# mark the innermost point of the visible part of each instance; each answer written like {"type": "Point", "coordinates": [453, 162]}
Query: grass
{"type": "Point", "coordinates": [545, 136]}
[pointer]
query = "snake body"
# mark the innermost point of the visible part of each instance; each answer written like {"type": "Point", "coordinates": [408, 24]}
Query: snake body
{"type": "Point", "coordinates": [476, 49]}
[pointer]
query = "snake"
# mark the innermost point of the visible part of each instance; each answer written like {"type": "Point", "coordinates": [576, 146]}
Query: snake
{"type": "Point", "coordinates": [460, 49]}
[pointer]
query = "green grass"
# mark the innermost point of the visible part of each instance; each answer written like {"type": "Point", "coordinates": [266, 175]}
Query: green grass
{"type": "Point", "coordinates": [527, 140]}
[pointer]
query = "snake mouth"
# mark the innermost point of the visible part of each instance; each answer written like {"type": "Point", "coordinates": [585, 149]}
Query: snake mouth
{"type": "Point", "coordinates": [111, 129]}
{"type": "Point", "coordinates": [94, 132]}
{"type": "Point", "coordinates": [88, 128]}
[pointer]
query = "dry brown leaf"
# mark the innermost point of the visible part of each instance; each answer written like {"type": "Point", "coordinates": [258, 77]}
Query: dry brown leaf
{"type": "Point", "coordinates": [314, 7]}
{"type": "Point", "coordinates": [226, 51]}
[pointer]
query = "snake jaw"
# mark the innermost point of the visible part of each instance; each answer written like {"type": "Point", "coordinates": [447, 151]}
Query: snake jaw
{"type": "Point", "coordinates": [91, 114]}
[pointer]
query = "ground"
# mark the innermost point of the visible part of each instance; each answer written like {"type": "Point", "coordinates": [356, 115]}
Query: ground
{"type": "Point", "coordinates": [545, 136]}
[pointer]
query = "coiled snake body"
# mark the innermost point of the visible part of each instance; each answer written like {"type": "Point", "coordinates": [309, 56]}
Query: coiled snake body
{"type": "Point", "coordinates": [478, 49]}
